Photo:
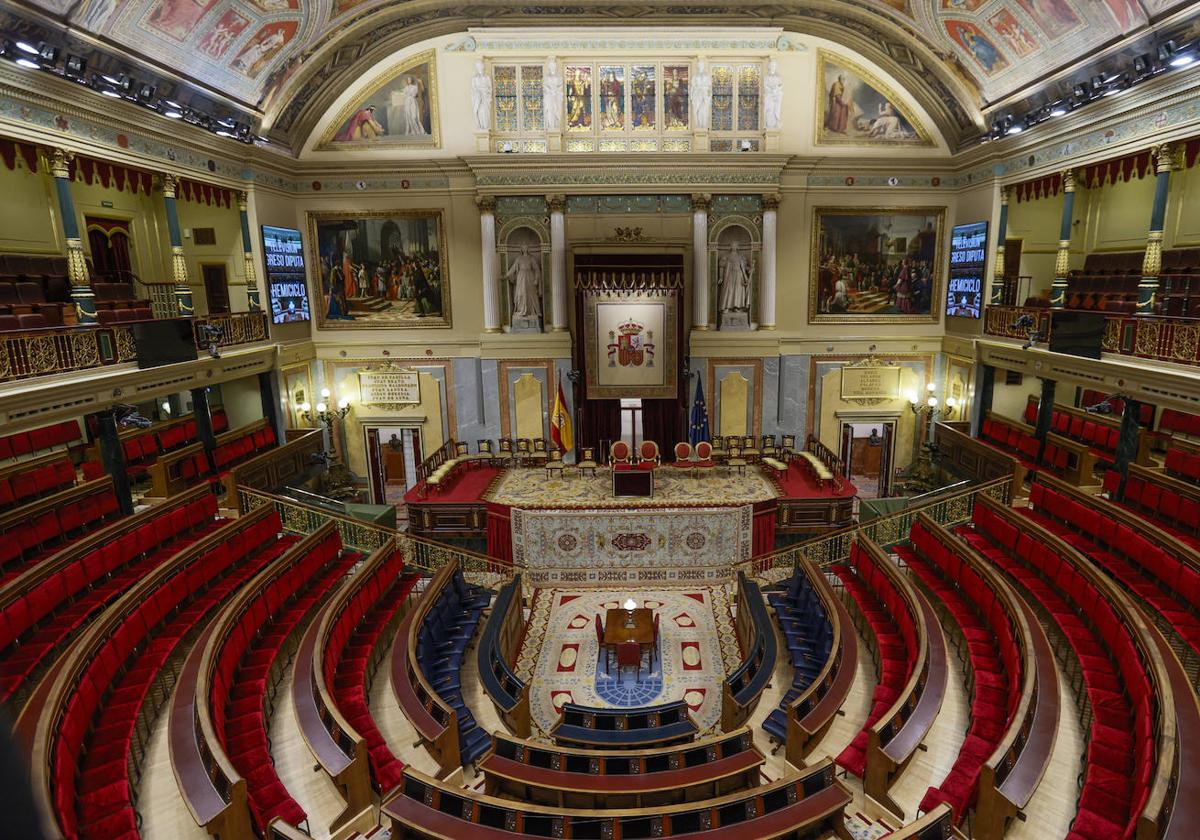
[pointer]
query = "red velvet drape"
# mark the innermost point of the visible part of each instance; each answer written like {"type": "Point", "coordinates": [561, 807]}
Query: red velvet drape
{"type": "Point", "coordinates": [499, 532]}
{"type": "Point", "coordinates": [763, 540]}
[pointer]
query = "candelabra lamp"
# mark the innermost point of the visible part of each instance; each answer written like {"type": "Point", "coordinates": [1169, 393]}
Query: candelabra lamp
{"type": "Point", "coordinates": [922, 476]}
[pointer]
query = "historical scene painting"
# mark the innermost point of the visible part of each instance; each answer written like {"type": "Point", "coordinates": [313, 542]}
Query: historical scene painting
{"type": "Point", "coordinates": [857, 109]}
{"type": "Point", "coordinates": [400, 111]}
{"type": "Point", "coordinates": [384, 269]}
{"type": "Point", "coordinates": [873, 264]}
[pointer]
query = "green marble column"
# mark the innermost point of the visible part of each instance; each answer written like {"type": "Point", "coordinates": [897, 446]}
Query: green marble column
{"type": "Point", "coordinates": [1001, 233]}
{"type": "Point", "coordinates": [253, 296]}
{"type": "Point", "coordinates": [1152, 263]}
{"type": "Point", "coordinates": [77, 271]}
{"type": "Point", "coordinates": [179, 272]}
{"type": "Point", "coordinates": [1062, 260]}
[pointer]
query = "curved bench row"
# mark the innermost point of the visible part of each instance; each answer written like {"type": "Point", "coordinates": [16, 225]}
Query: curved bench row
{"type": "Point", "coordinates": [42, 608]}
{"type": "Point", "coordinates": [499, 645]}
{"type": "Point", "coordinates": [81, 723]}
{"type": "Point", "coordinates": [426, 660]}
{"type": "Point", "coordinates": [1099, 432]}
{"type": "Point", "coordinates": [1172, 504]}
{"type": "Point", "coordinates": [171, 472]}
{"type": "Point", "coordinates": [756, 637]}
{"type": "Point", "coordinates": [28, 481]}
{"type": "Point", "coordinates": [808, 804]}
{"type": "Point", "coordinates": [1072, 461]}
{"type": "Point", "coordinates": [913, 669]}
{"type": "Point", "coordinates": [1132, 737]}
{"type": "Point", "coordinates": [1013, 684]}
{"type": "Point", "coordinates": [33, 532]}
{"type": "Point", "coordinates": [663, 725]}
{"type": "Point", "coordinates": [809, 635]}
{"type": "Point", "coordinates": [19, 444]}
{"type": "Point", "coordinates": [533, 771]}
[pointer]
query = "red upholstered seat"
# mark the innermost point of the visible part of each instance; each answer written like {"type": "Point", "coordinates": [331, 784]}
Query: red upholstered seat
{"type": "Point", "coordinates": [620, 455]}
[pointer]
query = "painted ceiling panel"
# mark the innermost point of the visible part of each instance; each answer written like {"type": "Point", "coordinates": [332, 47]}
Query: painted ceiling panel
{"type": "Point", "coordinates": [248, 48]}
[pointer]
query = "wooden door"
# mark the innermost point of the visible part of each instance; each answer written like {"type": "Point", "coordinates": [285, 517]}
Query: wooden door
{"type": "Point", "coordinates": [216, 287]}
{"type": "Point", "coordinates": [886, 456]}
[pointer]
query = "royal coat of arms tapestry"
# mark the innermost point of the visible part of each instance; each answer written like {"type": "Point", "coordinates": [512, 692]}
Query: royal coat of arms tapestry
{"type": "Point", "coordinates": [631, 344]}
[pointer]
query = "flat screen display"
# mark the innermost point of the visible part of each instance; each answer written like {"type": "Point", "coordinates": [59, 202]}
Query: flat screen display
{"type": "Point", "coordinates": [164, 341]}
{"type": "Point", "coordinates": [283, 253]}
{"type": "Point", "coordinates": [968, 256]}
{"type": "Point", "coordinates": [1077, 333]}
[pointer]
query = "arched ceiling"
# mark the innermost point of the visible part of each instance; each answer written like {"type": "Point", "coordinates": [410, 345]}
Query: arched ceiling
{"type": "Point", "coordinates": [275, 55]}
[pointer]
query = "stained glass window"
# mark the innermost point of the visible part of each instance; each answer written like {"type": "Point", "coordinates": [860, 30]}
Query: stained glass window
{"type": "Point", "coordinates": [505, 87]}
{"type": "Point", "coordinates": [676, 110]}
{"type": "Point", "coordinates": [612, 97]}
{"type": "Point", "coordinates": [531, 98]}
{"type": "Point", "coordinates": [643, 99]}
{"type": "Point", "coordinates": [748, 92]}
{"type": "Point", "coordinates": [579, 97]}
{"type": "Point", "coordinates": [722, 97]}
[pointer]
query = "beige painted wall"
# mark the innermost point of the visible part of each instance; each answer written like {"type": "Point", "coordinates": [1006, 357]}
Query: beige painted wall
{"type": "Point", "coordinates": [831, 403]}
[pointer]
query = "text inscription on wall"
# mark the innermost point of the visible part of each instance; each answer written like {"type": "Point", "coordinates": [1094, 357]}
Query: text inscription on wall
{"type": "Point", "coordinates": [389, 387]}
{"type": "Point", "coordinates": [871, 383]}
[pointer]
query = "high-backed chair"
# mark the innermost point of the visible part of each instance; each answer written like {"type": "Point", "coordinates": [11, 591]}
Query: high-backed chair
{"type": "Point", "coordinates": [485, 455]}
{"type": "Point", "coordinates": [787, 448]}
{"type": "Point", "coordinates": [648, 457]}
{"type": "Point", "coordinates": [719, 449]}
{"type": "Point", "coordinates": [524, 451]}
{"type": "Point", "coordinates": [554, 463]}
{"type": "Point", "coordinates": [766, 446]}
{"type": "Point", "coordinates": [600, 642]}
{"type": "Point", "coordinates": [735, 461]}
{"type": "Point", "coordinates": [629, 655]}
{"type": "Point", "coordinates": [683, 456]}
{"type": "Point", "coordinates": [587, 459]}
{"type": "Point", "coordinates": [704, 457]}
{"type": "Point", "coordinates": [539, 454]}
{"type": "Point", "coordinates": [749, 451]}
{"type": "Point", "coordinates": [506, 455]}
{"type": "Point", "coordinates": [620, 454]}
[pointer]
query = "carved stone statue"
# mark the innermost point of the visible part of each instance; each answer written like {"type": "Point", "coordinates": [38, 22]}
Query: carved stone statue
{"type": "Point", "coordinates": [481, 96]}
{"type": "Point", "coordinates": [735, 282]}
{"type": "Point", "coordinates": [701, 96]}
{"type": "Point", "coordinates": [772, 95]}
{"type": "Point", "coordinates": [525, 274]}
{"type": "Point", "coordinates": [552, 96]}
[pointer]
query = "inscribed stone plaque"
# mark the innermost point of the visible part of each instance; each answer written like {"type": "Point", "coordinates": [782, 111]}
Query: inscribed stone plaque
{"type": "Point", "coordinates": [388, 387]}
{"type": "Point", "coordinates": [871, 383]}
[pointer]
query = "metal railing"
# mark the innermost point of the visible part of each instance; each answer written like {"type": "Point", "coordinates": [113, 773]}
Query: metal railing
{"type": "Point", "coordinates": [825, 551]}
{"type": "Point", "coordinates": [421, 554]}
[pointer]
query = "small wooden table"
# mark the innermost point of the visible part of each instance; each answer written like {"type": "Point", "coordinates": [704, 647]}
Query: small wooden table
{"type": "Point", "coordinates": [641, 632]}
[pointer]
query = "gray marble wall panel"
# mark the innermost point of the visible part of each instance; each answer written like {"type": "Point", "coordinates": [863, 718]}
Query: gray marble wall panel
{"type": "Point", "coordinates": [792, 398]}
{"type": "Point", "coordinates": [770, 397]}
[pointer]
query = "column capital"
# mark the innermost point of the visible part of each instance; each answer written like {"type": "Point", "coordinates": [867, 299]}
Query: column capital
{"type": "Point", "coordinates": [486, 203]}
{"type": "Point", "coordinates": [1164, 158]}
{"type": "Point", "coordinates": [170, 185]}
{"type": "Point", "coordinates": [1068, 181]}
{"type": "Point", "coordinates": [1005, 195]}
{"type": "Point", "coordinates": [556, 203]}
{"type": "Point", "coordinates": [243, 200]}
{"type": "Point", "coordinates": [60, 162]}
{"type": "Point", "coordinates": [770, 201]}
{"type": "Point", "coordinates": [700, 201]}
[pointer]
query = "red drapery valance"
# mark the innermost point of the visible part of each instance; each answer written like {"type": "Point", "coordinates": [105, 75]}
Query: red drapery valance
{"type": "Point", "coordinates": [207, 193]}
{"type": "Point", "coordinates": [1139, 164]}
{"type": "Point", "coordinates": [10, 150]}
{"type": "Point", "coordinates": [499, 532]}
{"type": "Point", "coordinates": [114, 175]}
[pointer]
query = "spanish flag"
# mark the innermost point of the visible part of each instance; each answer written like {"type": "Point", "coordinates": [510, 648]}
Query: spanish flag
{"type": "Point", "coordinates": [560, 423]}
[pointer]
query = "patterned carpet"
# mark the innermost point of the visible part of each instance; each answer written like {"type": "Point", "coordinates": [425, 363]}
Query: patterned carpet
{"type": "Point", "coordinates": [530, 488]}
{"type": "Point", "coordinates": [562, 660]}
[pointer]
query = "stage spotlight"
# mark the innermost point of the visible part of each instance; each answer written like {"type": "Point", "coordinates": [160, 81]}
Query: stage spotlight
{"type": "Point", "coordinates": [22, 61]}
{"type": "Point", "coordinates": [76, 67]}
{"type": "Point", "coordinates": [48, 55]}
{"type": "Point", "coordinates": [1118, 84]}
{"type": "Point", "coordinates": [26, 47]}
{"type": "Point", "coordinates": [1057, 109]}
{"type": "Point", "coordinates": [1080, 92]}
{"type": "Point", "coordinates": [1183, 56]}
{"type": "Point", "coordinates": [1143, 65]}
{"type": "Point", "coordinates": [145, 94]}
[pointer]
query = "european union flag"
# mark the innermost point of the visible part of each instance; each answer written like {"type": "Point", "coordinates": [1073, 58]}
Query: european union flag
{"type": "Point", "coordinates": [698, 428]}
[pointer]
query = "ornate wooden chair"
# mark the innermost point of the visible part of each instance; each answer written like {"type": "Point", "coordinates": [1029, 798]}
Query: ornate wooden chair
{"type": "Point", "coordinates": [554, 463]}
{"type": "Point", "coordinates": [506, 455]}
{"type": "Point", "coordinates": [749, 451]}
{"type": "Point", "coordinates": [629, 655]}
{"type": "Point", "coordinates": [648, 457]}
{"type": "Point", "coordinates": [718, 448]}
{"type": "Point", "coordinates": [540, 454]}
{"type": "Point", "coordinates": [620, 454]}
{"type": "Point", "coordinates": [524, 451]}
{"type": "Point", "coordinates": [683, 456]}
{"type": "Point", "coordinates": [485, 455]}
{"type": "Point", "coordinates": [587, 459]}
{"type": "Point", "coordinates": [735, 461]}
{"type": "Point", "coordinates": [704, 457]}
{"type": "Point", "coordinates": [767, 447]}
{"type": "Point", "coordinates": [787, 449]}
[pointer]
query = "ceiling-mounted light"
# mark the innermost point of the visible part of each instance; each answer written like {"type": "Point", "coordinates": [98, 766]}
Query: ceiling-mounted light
{"type": "Point", "coordinates": [1118, 84]}
{"type": "Point", "coordinates": [76, 66]}
{"type": "Point", "coordinates": [145, 93]}
{"type": "Point", "coordinates": [26, 47]}
{"type": "Point", "coordinates": [1058, 109]}
{"type": "Point", "coordinates": [1183, 56]}
{"type": "Point", "coordinates": [1015, 128]}
{"type": "Point", "coordinates": [48, 55]}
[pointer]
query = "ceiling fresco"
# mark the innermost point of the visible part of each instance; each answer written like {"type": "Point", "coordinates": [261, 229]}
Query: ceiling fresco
{"type": "Point", "coordinates": [261, 52]}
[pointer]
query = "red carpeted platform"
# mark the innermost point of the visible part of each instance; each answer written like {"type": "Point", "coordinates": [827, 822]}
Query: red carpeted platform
{"type": "Point", "coordinates": [799, 483]}
{"type": "Point", "coordinates": [465, 486]}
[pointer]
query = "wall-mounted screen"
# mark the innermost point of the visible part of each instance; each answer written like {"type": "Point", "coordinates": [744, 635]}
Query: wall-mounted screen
{"type": "Point", "coordinates": [968, 256]}
{"type": "Point", "coordinates": [283, 253]}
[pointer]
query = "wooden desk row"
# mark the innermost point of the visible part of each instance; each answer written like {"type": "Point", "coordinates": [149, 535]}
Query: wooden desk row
{"type": "Point", "coordinates": [498, 648]}
{"type": "Point", "coordinates": [586, 726]}
{"type": "Point", "coordinates": [166, 475]}
{"type": "Point", "coordinates": [756, 636]}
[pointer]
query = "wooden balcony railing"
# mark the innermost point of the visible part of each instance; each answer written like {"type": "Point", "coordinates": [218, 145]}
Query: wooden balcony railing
{"type": "Point", "coordinates": [1144, 336]}
{"type": "Point", "coordinates": [25, 354]}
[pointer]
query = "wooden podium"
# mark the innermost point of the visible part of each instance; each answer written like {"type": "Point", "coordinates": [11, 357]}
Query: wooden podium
{"type": "Point", "coordinates": [633, 483]}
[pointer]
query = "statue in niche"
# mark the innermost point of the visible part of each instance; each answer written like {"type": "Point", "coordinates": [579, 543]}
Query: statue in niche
{"type": "Point", "coordinates": [733, 301]}
{"type": "Point", "coordinates": [772, 95]}
{"type": "Point", "coordinates": [525, 275]}
{"type": "Point", "coordinates": [701, 95]}
{"type": "Point", "coordinates": [481, 96]}
{"type": "Point", "coordinates": [552, 96]}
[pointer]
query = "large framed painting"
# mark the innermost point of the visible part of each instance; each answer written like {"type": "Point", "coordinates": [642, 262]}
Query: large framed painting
{"type": "Point", "coordinates": [383, 269]}
{"type": "Point", "coordinates": [399, 110]}
{"type": "Point", "coordinates": [857, 109]}
{"type": "Point", "coordinates": [632, 348]}
{"type": "Point", "coordinates": [876, 264]}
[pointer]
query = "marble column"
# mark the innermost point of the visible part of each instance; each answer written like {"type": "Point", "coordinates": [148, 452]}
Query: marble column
{"type": "Point", "coordinates": [1062, 260]}
{"type": "Point", "coordinates": [77, 271]}
{"type": "Point", "coordinates": [700, 257]}
{"type": "Point", "coordinates": [179, 272]}
{"type": "Point", "coordinates": [253, 296]}
{"type": "Point", "coordinates": [491, 264]}
{"type": "Point", "coordinates": [112, 456]}
{"type": "Point", "coordinates": [1152, 262]}
{"type": "Point", "coordinates": [766, 285]}
{"type": "Point", "coordinates": [997, 296]}
{"type": "Point", "coordinates": [558, 263]}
